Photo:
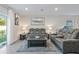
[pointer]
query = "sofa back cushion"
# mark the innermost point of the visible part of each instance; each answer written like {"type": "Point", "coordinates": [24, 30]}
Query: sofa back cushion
{"type": "Point", "coordinates": [37, 31]}
{"type": "Point", "coordinates": [75, 34]}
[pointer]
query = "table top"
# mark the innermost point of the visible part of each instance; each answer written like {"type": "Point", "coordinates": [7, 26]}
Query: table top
{"type": "Point", "coordinates": [36, 39]}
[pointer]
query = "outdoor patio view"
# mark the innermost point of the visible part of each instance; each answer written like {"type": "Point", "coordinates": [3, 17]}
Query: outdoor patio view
{"type": "Point", "coordinates": [2, 31]}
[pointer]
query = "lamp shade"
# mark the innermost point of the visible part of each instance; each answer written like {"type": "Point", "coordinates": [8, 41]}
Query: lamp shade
{"type": "Point", "coordinates": [24, 28]}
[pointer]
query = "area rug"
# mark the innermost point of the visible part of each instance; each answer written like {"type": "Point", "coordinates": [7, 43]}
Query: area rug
{"type": "Point", "coordinates": [24, 48]}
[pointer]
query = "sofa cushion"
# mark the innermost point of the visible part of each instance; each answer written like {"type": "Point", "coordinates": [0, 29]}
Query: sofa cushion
{"type": "Point", "coordinates": [75, 34]}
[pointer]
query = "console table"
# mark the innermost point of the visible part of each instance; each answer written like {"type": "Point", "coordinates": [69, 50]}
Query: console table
{"type": "Point", "coordinates": [22, 36]}
{"type": "Point", "coordinates": [37, 43]}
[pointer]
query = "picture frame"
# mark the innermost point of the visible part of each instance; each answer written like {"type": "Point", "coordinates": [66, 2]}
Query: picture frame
{"type": "Point", "coordinates": [38, 21]}
{"type": "Point", "coordinates": [16, 19]}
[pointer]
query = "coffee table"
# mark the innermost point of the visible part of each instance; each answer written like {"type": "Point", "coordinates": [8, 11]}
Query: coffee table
{"type": "Point", "coordinates": [37, 43]}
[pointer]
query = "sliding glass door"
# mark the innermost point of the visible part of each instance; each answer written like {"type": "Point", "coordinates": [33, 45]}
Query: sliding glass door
{"type": "Point", "coordinates": [3, 33]}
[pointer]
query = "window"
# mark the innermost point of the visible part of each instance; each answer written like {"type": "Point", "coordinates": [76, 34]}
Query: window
{"type": "Point", "coordinates": [3, 33]}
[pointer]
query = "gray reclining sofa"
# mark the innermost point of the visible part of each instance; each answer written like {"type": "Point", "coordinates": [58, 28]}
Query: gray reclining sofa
{"type": "Point", "coordinates": [67, 43]}
{"type": "Point", "coordinates": [37, 37]}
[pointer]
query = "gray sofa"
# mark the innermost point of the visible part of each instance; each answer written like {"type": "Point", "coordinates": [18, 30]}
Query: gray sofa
{"type": "Point", "coordinates": [37, 33]}
{"type": "Point", "coordinates": [68, 43]}
{"type": "Point", "coordinates": [71, 46]}
{"type": "Point", "coordinates": [37, 37]}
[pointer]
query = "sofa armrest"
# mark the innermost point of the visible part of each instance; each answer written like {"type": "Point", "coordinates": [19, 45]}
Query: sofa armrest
{"type": "Point", "coordinates": [71, 46]}
{"type": "Point", "coordinates": [71, 39]}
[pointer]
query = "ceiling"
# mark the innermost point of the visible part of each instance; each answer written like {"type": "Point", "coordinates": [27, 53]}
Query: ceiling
{"type": "Point", "coordinates": [45, 9]}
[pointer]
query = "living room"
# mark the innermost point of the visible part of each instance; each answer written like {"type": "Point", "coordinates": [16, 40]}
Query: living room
{"type": "Point", "coordinates": [52, 19]}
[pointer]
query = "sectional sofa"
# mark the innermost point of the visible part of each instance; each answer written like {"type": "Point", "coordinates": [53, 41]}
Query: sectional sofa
{"type": "Point", "coordinates": [67, 43]}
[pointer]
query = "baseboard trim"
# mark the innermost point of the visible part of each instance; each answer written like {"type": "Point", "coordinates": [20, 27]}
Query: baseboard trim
{"type": "Point", "coordinates": [14, 42]}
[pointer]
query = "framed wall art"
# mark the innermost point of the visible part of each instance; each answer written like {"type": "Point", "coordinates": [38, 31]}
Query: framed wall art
{"type": "Point", "coordinates": [16, 19]}
{"type": "Point", "coordinates": [38, 21]}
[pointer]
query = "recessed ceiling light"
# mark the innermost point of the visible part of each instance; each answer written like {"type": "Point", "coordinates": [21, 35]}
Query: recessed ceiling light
{"type": "Point", "coordinates": [26, 9]}
{"type": "Point", "coordinates": [56, 9]}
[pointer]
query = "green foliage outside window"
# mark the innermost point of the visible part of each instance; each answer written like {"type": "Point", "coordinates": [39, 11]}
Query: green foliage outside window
{"type": "Point", "coordinates": [2, 32]}
{"type": "Point", "coordinates": [2, 21]}
{"type": "Point", "coordinates": [2, 36]}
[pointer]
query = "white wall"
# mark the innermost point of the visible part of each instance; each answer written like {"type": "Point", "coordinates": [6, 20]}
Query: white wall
{"type": "Point", "coordinates": [12, 30]}
{"type": "Point", "coordinates": [24, 21]}
{"type": "Point", "coordinates": [57, 22]}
